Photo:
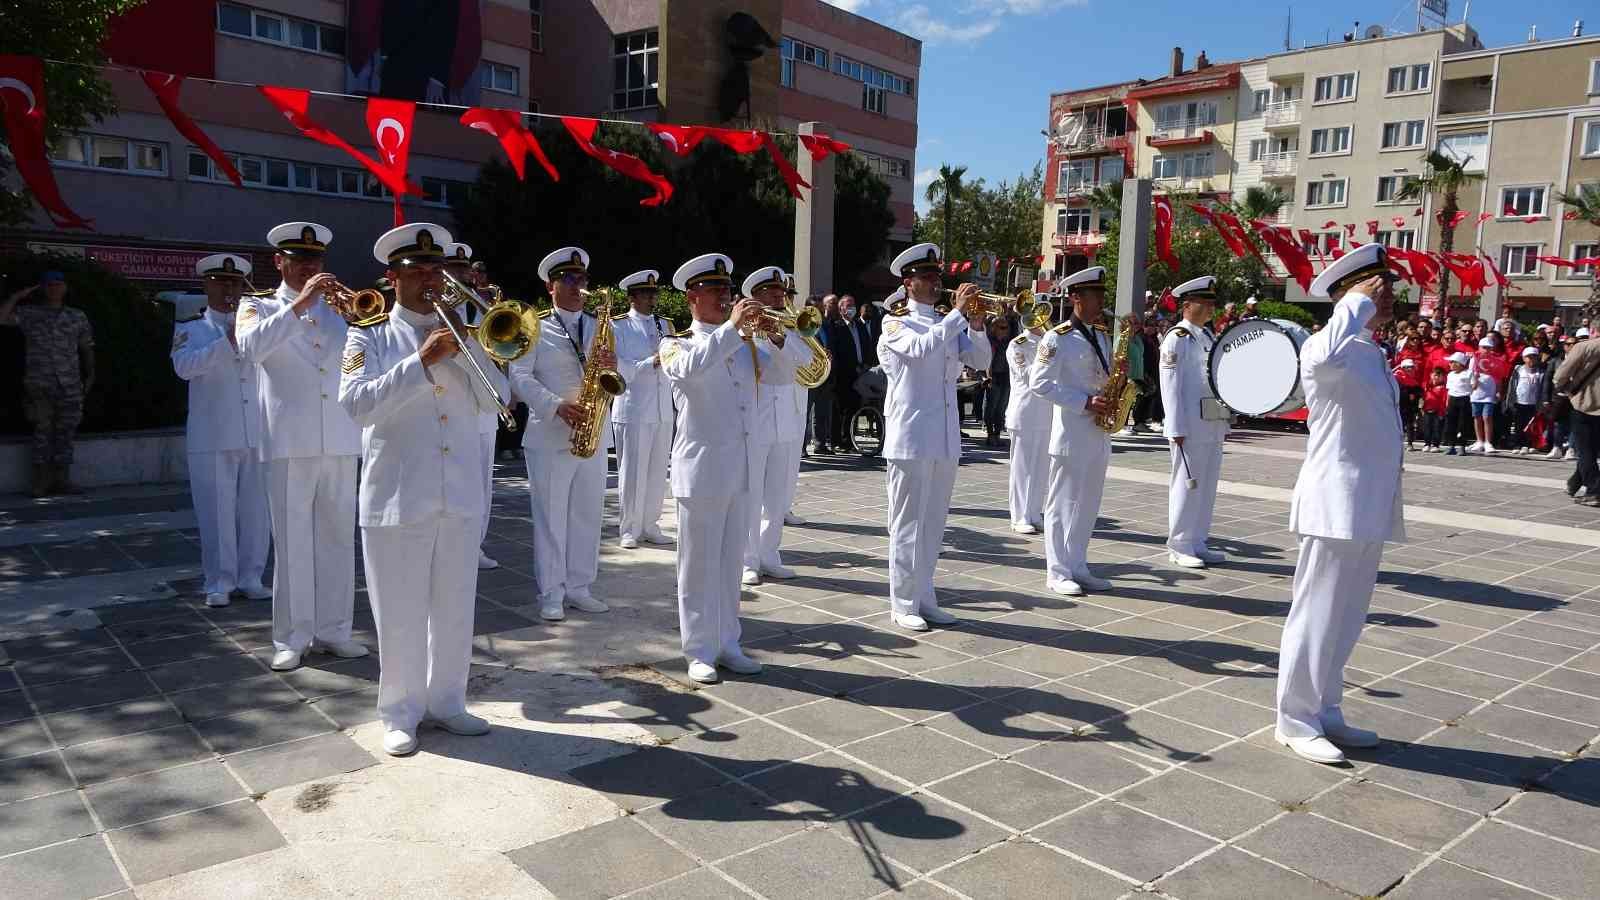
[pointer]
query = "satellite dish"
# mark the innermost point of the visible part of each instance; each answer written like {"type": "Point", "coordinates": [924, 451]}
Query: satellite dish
{"type": "Point", "coordinates": [1373, 31]}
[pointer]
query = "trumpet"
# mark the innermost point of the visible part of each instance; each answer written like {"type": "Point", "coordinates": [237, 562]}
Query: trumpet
{"type": "Point", "coordinates": [806, 322]}
{"type": "Point", "coordinates": [360, 308]}
{"type": "Point", "coordinates": [986, 304]}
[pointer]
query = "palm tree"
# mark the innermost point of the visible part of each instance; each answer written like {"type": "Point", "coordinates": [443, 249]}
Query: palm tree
{"type": "Point", "coordinates": [1586, 203]}
{"type": "Point", "coordinates": [1261, 203]}
{"type": "Point", "coordinates": [944, 191]}
{"type": "Point", "coordinates": [1446, 176]}
{"type": "Point", "coordinates": [1108, 197]}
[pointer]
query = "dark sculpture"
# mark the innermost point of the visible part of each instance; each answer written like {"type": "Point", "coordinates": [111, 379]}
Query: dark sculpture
{"type": "Point", "coordinates": [747, 41]}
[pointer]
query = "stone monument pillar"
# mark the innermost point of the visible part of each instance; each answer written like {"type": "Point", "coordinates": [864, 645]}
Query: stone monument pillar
{"type": "Point", "coordinates": [1134, 246]}
{"type": "Point", "coordinates": [813, 221]}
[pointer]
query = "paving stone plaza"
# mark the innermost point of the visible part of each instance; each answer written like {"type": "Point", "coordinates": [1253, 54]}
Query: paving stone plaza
{"type": "Point", "coordinates": [1115, 745]}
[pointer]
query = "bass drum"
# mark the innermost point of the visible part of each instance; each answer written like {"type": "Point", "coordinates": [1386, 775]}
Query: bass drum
{"type": "Point", "coordinates": [1255, 367]}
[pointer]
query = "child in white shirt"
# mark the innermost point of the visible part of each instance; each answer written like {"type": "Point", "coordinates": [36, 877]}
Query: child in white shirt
{"type": "Point", "coordinates": [1458, 384]}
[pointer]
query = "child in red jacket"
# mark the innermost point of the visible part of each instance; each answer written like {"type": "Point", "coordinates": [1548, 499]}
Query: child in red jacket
{"type": "Point", "coordinates": [1434, 401]}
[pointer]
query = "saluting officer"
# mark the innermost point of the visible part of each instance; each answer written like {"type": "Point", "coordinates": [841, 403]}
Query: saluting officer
{"type": "Point", "coordinates": [1195, 425]}
{"type": "Point", "coordinates": [567, 491]}
{"type": "Point", "coordinates": [422, 492]}
{"type": "Point", "coordinates": [1070, 371]}
{"type": "Point", "coordinates": [1346, 503]}
{"type": "Point", "coordinates": [1028, 421]}
{"type": "Point", "coordinates": [458, 262]}
{"type": "Point", "coordinates": [775, 443]}
{"type": "Point", "coordinates": [922, 353]}
{"type": "Point", "coordinates": [310, 446]}
{"type": "Point", "coordinates": [642, 417]}
{"type": "Point", "coordinates": [223, 438]}
{"type": "Point", "coordinates": [714, 374]}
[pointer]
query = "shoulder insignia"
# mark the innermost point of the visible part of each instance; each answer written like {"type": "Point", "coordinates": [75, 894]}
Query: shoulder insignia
{"type": "Point", "coordinates": [1184, 332]}
{"type": "Point", "coordinates": [1021, 339]}
{"type": "Point", "coordinates": [354, 362]}
{"type": "Point", "coordinates": [668, 350]}
{"type": "Point", "coordinates": [683, 335]}
{"type": "Point", "coordinates": [248, 312]}
{"type": "Point", "coordinates": [899, 311]}
{"type": "Point", "coordinates": [179, 339]}
{"type": "Point", "coordinates": [893, 327]}
{"type": "Point", "coordinates": [266, 293]}
{"type": "Point", "coordinates": [619, 316]}
{"type": "Point", "coordinates": [1063, 328]}
{"type": "Point", "coordinates": [1169, 359]}
{"type": "Point", "coordinates": [1047, 352]}
{"type": "Point", "coordinates": [378, 319]}
{"type": "Point", "coordinates": [1019, 357]}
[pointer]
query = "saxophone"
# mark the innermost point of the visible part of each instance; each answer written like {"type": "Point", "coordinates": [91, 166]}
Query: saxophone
{"type": "Point", "coordinates": [601, 384]}
{"type": "Point", "coordinates": [1119, 393]}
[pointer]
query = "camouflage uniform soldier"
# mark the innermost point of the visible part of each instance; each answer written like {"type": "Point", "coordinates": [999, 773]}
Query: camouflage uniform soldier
{"type": "Point", "coordinates": [58, 371]}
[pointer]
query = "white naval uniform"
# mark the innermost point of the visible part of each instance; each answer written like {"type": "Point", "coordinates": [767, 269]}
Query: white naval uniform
{"type": "Point", "coordinates": [922, 354]}
{"type": "Point", "coordinates": [567, 492]}
{"type": "Point", "coordinates": [1028, 421]}
{"type": "Point", "coordinates": [223, 440]}
{"type": "Point", "coordinates": [488, 431]}
{"type": "Point", "coordinates": [774, 451]}
{"type": "Point", "coordinates": [1067, 372]}
{"type": "Point", "coordinates": [310, 447]}
{"type": "Point", "coordinates": [794, 451]}
{"type": "Point", "coordinates": [642, 421]}
{"type": "Point", "coordinates": [1347, 502]}
{"type": "Point", "coordinates": [422, 497]}
{"type": "Point", "coordinates": [714, 386]}
{"type": "Point", "coordinates": [1185, 384]}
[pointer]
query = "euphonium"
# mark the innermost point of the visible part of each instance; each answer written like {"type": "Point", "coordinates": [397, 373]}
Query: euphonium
{"type": "Point", "coordinates": [601, 384]}
{"type": "Point", "coordinates": [1119, 392]}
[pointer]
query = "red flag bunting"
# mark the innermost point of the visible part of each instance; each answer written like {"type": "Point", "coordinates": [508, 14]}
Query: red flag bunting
{"type": "Point", "coordinates": [1163, 214]}
{"type": "Point", "coordinates": [1372, 227]}
{"type": "Point", "coordinates": [1484, 217]}
{"type": "Point", "coordinates": [680, 139]}
{"type": "Point", "coordinates": [1417, 213]}
{"type": "Point", "coordinates": [1234, 245]}
{"type": "Point", "coordinates": [1499, 277]}
{"type": "Point", "coordinates": [582, 131]}
{"type": "Point", "coordinates": [1470, 280]}
{"type": "Point", "coordinates": [1330, 224]}
{"type": "Point", "coordinates": [22, 97]}
{"type": "Point", "coordinates": [1229, 220]}
{"type": "Point", "coordinates": [294, 102]}
{"type": "Point", "coordinates": [1399, 221]}
{"type": "Point", "coordinates": [1397, 267]}
{"type": "Point", "coordinates": [791, 175]}
{"type": "Point", "coordinates": [515, 139]}
{"type": "Point", "coordinates": [821, 145]}
{"type": "Point", "coordinates": [390, 123]}
{"type": "Point", "coordinates": [1557, 261]}
{"type": "Point", "coordinates": [1293, 256]}
{"type": "Point", "coordinates": [166, 88]}
{"type": "Point", "coordinates": [966, 266]}
{"type": "Point", "coordinates": [1350, 229]}
{"type": "Point", "coordinates": [1569, 215]}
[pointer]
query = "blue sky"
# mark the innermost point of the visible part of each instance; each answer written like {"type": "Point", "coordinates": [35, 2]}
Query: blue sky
{"type": "Point", "coordinates": [989, 66]}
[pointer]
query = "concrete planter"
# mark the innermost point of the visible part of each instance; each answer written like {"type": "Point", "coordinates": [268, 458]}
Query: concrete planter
{"type": "Point", "coordinates": [128, 457]}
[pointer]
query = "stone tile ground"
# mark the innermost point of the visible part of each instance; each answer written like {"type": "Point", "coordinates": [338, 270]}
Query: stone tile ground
{"type": "Point", "coordinates": [1112, 745]}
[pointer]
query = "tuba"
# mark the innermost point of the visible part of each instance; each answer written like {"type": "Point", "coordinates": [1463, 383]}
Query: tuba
{"type": "Point", "coordinates": [1119, 393]}
{"type": "Point", "coordinates": [806, 322]}
{"type": "Point", "coordinates": [601, 384]}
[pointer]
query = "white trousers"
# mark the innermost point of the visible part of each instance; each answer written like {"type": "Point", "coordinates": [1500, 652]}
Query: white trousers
{"type": "Point", "coordinates": [1077, 483]}
{"type": "Point", "coordinates": [1333, 584]}
{"type": "Point", "coordinates": [313, 502]}
{"type": "Point", "coordinates": [773, 470]}
{"type": "Point", "coordinates": [711, 535]}
{"type": "Point", "coordinates": [919, 503]}
{"type": "Point", "coordinates": [567, 493]}
{"type": "Point", "coordinates": [422, 579]}
{"type": "Point", "coordinates": [487, 445]}
{"type": "Point", "coordinates": [230, 506]}
{"type": "Point", "coordinates": [642, 453]}
{"type": "Point", "coordinates": [1189, 511]}
{"type": "Point", "coordinates": [1030, 471]}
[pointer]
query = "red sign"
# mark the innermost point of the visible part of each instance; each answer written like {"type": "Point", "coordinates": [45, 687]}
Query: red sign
{"type": "Point", "coordinates": [149, 263]}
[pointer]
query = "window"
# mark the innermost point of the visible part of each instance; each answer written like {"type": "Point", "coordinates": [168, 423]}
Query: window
{"type": "Point", "coordinates": [1110, 169]}
{"type": "Point", "coordinates": [1325, 193]}
{"type": "Point", "coordinates": [1520, 260]}
{"type": "Point", "coordinates": [874, 99]}
{"type": "Point", "coordinates": [1400, 135]}
{"type": "Point", "coordinates": [634, 59]}
{"type": "Point", "coordinates": [1469, 148]}
{"type": "Point", "coordinates": [860, 71]}
{"type": "Point", "coordinates": [1074, 175]}
{"type": "Point", "coordinates": [1325, 242]}
{"type": "Point", "coordinates": [1335, 88]}
{"type": "Point", "coordinates": [270, 173]}
{"type": "Point", "coordinates": [885, 166]}
{"type": "Point", "coordinates": [1521, 201]}
{"type": "Point", "coordinates": [1405, 239]}
{"type": "Point", "coordinates": [799, 51]}
{"type": "Point", "coordinates": [1262, 100]}
{"type": "Point", "coordinates": [1079, 220]}
{"type": "Point", "coordinates": [1591, 139]}
{"type": "Point", "coordinates": [1176, 116]}
{"type": "Point", "coordinates": [301, 34]}
{"type": "Point", "coordinates": [1584, 251]}
{"type": "Point", "coordinates": [1330, 141]}
{"type": "Point", "coordinates": [496, 77]}
{"type": "Point", "coordinates": [1406, 79]}
{"type": "Point", "coordinates": [1164, 167]}
{"type": "Point", "coordinates": [1390, 187]}
{"type": "Point", "coordinates": [98, 151]}
{"type": "Point", "coordinates": [1594, 77]}
{"type": "Point", "coordinates": [1258, 149]}
{"type": "Point", "coordinates": [1197, 166]}
{"type": "Point", "coordinates": [536, 25]}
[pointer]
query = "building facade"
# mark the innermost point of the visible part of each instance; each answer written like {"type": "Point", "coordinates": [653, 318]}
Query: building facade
{"type": "Point", "coordinates": [1091, 147]}
{"type": "Point", "coordinates": [1186, 124]}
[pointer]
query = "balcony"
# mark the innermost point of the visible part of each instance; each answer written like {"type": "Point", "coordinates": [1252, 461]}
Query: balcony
{"type": "Point", "coordinates": [1280, 165]}
{"type": "Point", "coordinates": [1078, 189]}
{"type": "Point", "coordinates": [1179, 133]}
{"type": "Point", "coordinates": [1283, 114]}
{"type": "Point", "coordinates": [1083, 241]}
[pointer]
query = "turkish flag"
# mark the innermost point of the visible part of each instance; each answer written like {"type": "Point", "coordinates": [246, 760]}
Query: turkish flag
{"type": "Point", "coordinates": [390, 124]}
{"type": "Point", "coordinates": [1397, 267]}
{"type": "Point", "coordinates": [515, 139]}
{"type": "Point", "coordinates": [680, 139]}
{"type": "Point", "coordinates": [821, 145]}
{"type": "Point", "coordinates": [1418, 212]}
{"type": "Point", "coordinates": [1292, 254]}
{"type": "Point", "coordinates": [1399, 221]}
{"type": "Point", "coordinates": [1330, 224]}
{"type": "Point", "coordinates": [1168, 303]}
{"type": "Point", "coordinates": [1557, 261]}
{"type": "Point", "coordinates": [583, 130]}
{"type": "Point", "coordinates": [1499, 277]}
{"type": "Point", "coordinates": [1464, 271]}
{"type": "Point", "coordinates": [22, 97]}
{"type": "Point", "coordinates": [1234, 245]}
{"type": "Point", "coordinates": [1569, 215]}
{"type": "Point", "coordinates": [743, 142]}
{"type": "Point", "coordinates": [1163, 213]}
{"type": "Point", "coordinates": [1372, 227]}
{"type": "Point", "coordinates": [1484, 217]}
{"type": "Point", "coordinates": [294, 103]}
{"type": "Point", "coordinates": [1229, 220]}
{"type": "Point", "coordinates": [1350, 229]}
{"type": "Point", "coordinates": [791, 175]}
{"type": "Point", "coordinates": [166, 88]}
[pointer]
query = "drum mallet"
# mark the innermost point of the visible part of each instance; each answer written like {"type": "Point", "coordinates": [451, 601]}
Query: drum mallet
{"type": "Point", "coordinates": [1191, 484]}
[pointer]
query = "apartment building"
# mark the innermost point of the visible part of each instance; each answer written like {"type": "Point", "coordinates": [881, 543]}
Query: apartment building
{"type": "Point", "coordinates": [1527, 119]}
{"type": "Point", "coordinates": [1186, 123]}
{"type": "Point", "coordinates": [1091, 145]}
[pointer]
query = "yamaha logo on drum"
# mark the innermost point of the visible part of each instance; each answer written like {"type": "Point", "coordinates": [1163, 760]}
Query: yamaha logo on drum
{"type": "Point", "coordinates": [1242, 340]}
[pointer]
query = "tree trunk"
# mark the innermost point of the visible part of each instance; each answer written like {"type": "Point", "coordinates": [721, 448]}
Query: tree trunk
{"type": "Point", "coordinates": [1447, 245]}
{"type": "Point", "coordinates": [945, 250]}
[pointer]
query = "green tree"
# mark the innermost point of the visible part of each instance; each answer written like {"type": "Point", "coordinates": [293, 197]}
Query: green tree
{"type": "Point", "coordinates": [1005, 220]}
{"type": "Point", "coordinates": [1444, 176]}
{"type": "Point", "coordinates": [1586, 203]}
{"type": "Point", "coordinates": [1200, 251]}
{"type": "Point", "coordinates": [1261, 203]}
{"type": "Point", "coordinates": [67, 33]}
{"type": "Point", "coordinates": [1106, 197]}
{"type": "Point", "coordinates": [943, 192]}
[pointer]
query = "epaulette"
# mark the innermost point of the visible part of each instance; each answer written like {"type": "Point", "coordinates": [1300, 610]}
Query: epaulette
{"type": "Point", "coordinates": [1021, 339]}
{"type": "Point", "coordinates": [543, 313]}
{"type": "Point", "coordinates": [194, 318]}
{"type": "Point", "coordinates": [1063, 328]}
{"type": "Point", "coordinates": [1184, 332]}
{"type": "Point", "coordinates": [687, 332]}
{"type": "Point", "coordinates": [619, 316]}
{"type": "Point", "coordinates": [266, 293]}
{"type": "Point", "coordinates": [378, 319]}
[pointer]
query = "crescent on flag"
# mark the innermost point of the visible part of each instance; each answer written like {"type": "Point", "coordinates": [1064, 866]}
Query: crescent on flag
{"type": "Point", "coordinates": [389, 147]}
{"type": "Point", "coordinates": [668, 139]}
{"type": "Point", "coordinates": [22, 88]}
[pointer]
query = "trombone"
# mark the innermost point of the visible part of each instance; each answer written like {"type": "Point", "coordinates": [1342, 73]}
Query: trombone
{"type": "Point", "coordinates": [1033, 312]}
{"type": "Point", "coordinates": [986, 304]}
{"type": "Point", "coordinates": [502, 330]}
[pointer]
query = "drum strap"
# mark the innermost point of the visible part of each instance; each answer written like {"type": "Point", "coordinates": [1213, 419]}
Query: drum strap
{"type": "Point", "coordinates": [1094, 342]}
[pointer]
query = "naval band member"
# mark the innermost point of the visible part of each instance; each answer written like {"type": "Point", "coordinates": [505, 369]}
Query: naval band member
{"type": "Point", "coordinates": [1195, 425]}
{"type": "Point", "coordinates": [458, 262]}
{"type": "Point", "coordinates": [641, 418]}
{"type": "Point", "coordinates": [775, 443]}
{"type": "Point", "coordinates": [1028, 421]}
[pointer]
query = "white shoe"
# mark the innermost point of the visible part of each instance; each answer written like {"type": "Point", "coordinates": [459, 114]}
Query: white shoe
{"type": "Point", "coordinates": [1091, 582]}
{"type": "Point", "coordinates": [485, 561]}
{"type": "Point", "coordinates": [1213, 557]}
{"type": "Point", "coordinates": [285, 660]}
{"type": "Point", "coordinates": [1348, 736]}
{"type": "Point", "coordinates": [1571, 456]}
{"type": "Point", "coordinates": [739, 664]}
{"type": "Point", "coordinates": [750, 577]}
{"type": "Point", "coordinates": [910, 622]}
{"type": "Point", "coordinates": [551, 609]}
{"type": "Point", "coordinates": [1127, 432]}
{"type": "Point", "coordinates": [1185, 560]}
{"type": "Point", "coordinates": [933, 615]}
{"type": "Point", "coordinates": [654, 536]}
{"type": "Point", "coordinates": [399, 742]}
{"type": "Point", "coordinates": [790, 518]}
{"type": "Point", "coordinates": [217, 599]}
{"type": "Point", "coordinates": [588, 604]}
{"type": "Point", "coordinates": [1317, 749]}
{"type": "Point", "coordinates": [255, 592]}
{"type": "Point", "coordinates": [463, 723]}
{"type": "Point", "coordinates": [704, 673]}
{"type": "Point", "coordinates": [628, 542]}
{"type": "Point", "coordinates": [1490, 448]}
{"type": "Point", "coordinates": [1065, 586]}
{"type": "Point", "coordinates": [1024, 528]}
{"type": "Point", "coordinates": [782, 573]}
{"type": "Point", "coordinates": [342, 649]}
{"type": "Point", "coordinates": [1555, 453]}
